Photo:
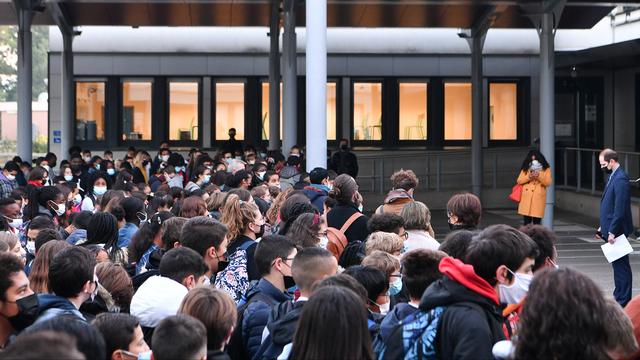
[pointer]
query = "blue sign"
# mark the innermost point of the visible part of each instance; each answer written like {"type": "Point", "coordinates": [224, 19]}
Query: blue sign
{"type": "Point", "coordinates": [56, 140]}
{"type": "Point", "coordinates": [57, 133]}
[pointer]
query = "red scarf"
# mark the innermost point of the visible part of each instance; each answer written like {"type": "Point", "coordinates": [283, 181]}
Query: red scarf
{"type": "Point", "coordinates": [35, 183]}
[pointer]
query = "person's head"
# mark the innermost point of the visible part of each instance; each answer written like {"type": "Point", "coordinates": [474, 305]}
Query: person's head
{"type": "Point", "coordinates": [115, 279]}
{"type": "Point", "coordinates": [546, 241]}
{"type": "Point", "coordinates": [376, 284]}
{"type": "Point", "coordinates": [292, 208]}
{"type": "Point", "coordinates": [193, 206]}
{"type": "Point", "coordinates": [10, 170]}
{"type": "Point", "coordinates": [570, 306]}
{"type": "Point", "coordinates": [36, 225]}
{"type": "Point", "coordinates": [82, 219]}
{"type": "Point", "coordinates": [310, 266]}
{"type": "Point", "coordinates": [335, 316]}
{"type": "Point", "coordinates": [420, 269]}
{"type": "Point", "coordinates": [39, 175]}
{"type": "Point", "coordinates": [384, 241]}
{"type": "Point", "coordinates": [319, 176]}
{"type": "Point", "coordinates": [240, 179]}
{"type": "Point", "coordinates": [201, 175]}
{"type": "Point", "coordinates": [208, 237]}
{"type": "Point", "coordinates": [11, 214]}
{"type": "Point", "coordinates": [344, 189]}
{"type": "Point", "coordinates": [274, 256]}
{"type": "Point", "coordinates": [133, 209]}
{"type": "Point", "coordinates": [242, 218]}
{"type": "Point", "coordinates": [344, 144]}
{"type": "Point", "coordinates": [184, 266]}
{"type": "Point", "coordinates": [103, 229]}
{"type": "Point", "coordinates": [309, 230]}
{"type": "Point", "coordinates": [405, 180]}
{"type": "Point", "coordinates": [389, 265]}
{"type": "Point", "coordinates": [47, 197]}
{"type": "Point", "coordinates": [179, 337]}
{"type": "Point", "coordinates": [72, 274]}
{"type": "Point", "coordinates": [345, 281]}
{"type": "Point", "coordinates": [43, 345]}
{"type": "Point", "coordinates": [387, 222]}
{"type": "Point", "coordinates": [232, 133]}
{"type": "Point", "coordinates": [216, 310]}
{"type": "Point", "coordinates": [272, 179]}
{"type": "Point", "coordinates": [14, 286]}
{"type": "Point", "coordinates": [416, 216]}
{"type": "Point", "coordinates": [44, 236]}
{"type": "Point", "coordinates": [532, 155]}
{"type": "Point", "coordinates": [98, 184]}
{"type": "Point", "coordinates": [504, 257]}
{"type": "Point", "coordinates": [122, 334]}
{"type": "Point", "coordinates": [621, 342]}
{"type": "Point", "coordinates": [39, 274]}
{"type": "Point", "coordinates": [149, 233]}
{"type": "Point", "coordinates": [464, 211]}
{"type": "Point", "coordinates": [608, 159]}
{"type": "Point", "coordinates": [14, 245]}
{"type": "Point", "coordinates": [455, 243]}
{"type": "Point", "coordinates": [171, 232]}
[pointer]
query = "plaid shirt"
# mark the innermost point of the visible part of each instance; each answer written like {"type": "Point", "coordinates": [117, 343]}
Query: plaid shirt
{"type": "Point", "coordinates": [6, 186]}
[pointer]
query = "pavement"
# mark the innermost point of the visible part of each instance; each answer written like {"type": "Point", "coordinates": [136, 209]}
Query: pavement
{"type": "Point", "coordinates": [576, 243]}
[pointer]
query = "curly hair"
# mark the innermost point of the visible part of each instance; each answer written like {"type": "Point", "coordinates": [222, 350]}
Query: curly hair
{"type": "Point", "coordinates": [404, 179]}
{"type": "Point", "coordinates": [304, 230]}
{"type": "Point", "coordinates": [564, 317]}
{"type": "Point", "coordinates": [237, 214]}
{"type": "Point", "coordinates": [384, 241]}
{"type": "Point", "coordinates": [276, 204]}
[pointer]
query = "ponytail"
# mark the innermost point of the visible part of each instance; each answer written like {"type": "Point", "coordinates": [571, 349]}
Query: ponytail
{"type": "Point", "coordinates": [237, 214]}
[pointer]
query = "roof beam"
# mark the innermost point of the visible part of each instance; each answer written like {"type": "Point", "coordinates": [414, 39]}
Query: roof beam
{"type": "Point", "coordinates": [61, 18]}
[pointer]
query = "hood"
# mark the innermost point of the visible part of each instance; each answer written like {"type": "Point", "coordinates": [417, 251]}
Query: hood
{"type": "Point", "coordinates": [398, 194]}
{"type": "Point", "coordinates": [460, 284]}
{"type": "Point", "coordinates": [265, 287]}
{"type": "Point", "coordinates": [399, 313]}
{"type": "Point", "coordinates": [285, 320]}
{"type": "Point", "coordinates": [288, 172]}
{"type": "Point", "coordinates": [76, 236]}
{"type": "Point", "coordinates": [313, 193]}
{"type": "Point", "coordinates": [50, 301]}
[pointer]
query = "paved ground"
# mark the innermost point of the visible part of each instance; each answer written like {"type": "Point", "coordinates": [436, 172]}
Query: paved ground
{"type": "Point", "coordinates": [577, 246]}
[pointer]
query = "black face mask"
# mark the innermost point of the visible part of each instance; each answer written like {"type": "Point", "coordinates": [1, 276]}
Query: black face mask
{"type": "Point", "coordinates": [76, 169]}
{"type": "Point", "coordinates": [344, 147]}
{"type": "Point", "coordinates": [289, 282]}
{"type": "Point", "coordinates": [606, 171]}
{"type": "Point", "coordinates": [454, 227]}
{"type": "Point", "coordinates": [222, 264]}
{"type": "Point", "coordinates": [28, 312]}
{"type": "Point", "coordinates": [259, 234]}
{"type": "Point", "coordinates": [145, 163]}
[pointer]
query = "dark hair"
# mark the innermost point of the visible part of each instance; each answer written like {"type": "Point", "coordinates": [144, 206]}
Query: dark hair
{"type": "Point", "coordinates": [344, 188]}
{"type": "Point", "coordinates": [103, 229]}
{"type": "Point", "coordinates": [115, 279]}
{"type": "Point", "coordinates": [467, 208]}
{"type": "Point", "coordinates": [46, 235]}
{"type": "Point", "coordinates": [568, 305]}
{"type": "Point", "coordinates": [345, 281]}
{"type": "Point", "coordinates": [499, 245]}
{"type": "Point", "coordinates": [132, 206]}
{"type": "Point", "coordinates": [293, 207]}
{"type": "Point", "coordinates": [455, 244]}
{"type": "Point", "coordinates": [142, 240]}
{"type": "Point", "coordinates": [161, 200]}
{"type": "Point", "coordinates": [199, 170]}
{"type": "Point", "coordinates": [200, 233]}
{"type": "Point", "coordinates": [10, 265]}
{"type": "Point", "coordinates": [40, 196]}
{"type": "Point", "coordinates": [371, 278]}
{"type": "Point", "coordinates": [11, 166]}
{"type": "Point", "coordinates": [333, 315]}
{"type": "Point", "coordinates": [43, 345]}
{"type": "Point", "coordinates": [387, 222]}
{"type": "Point", "coordinates": [118, 330]}
{"type": "Point", "coordinates": [317, 175]}
{"type": "Point", "coordinates": [82, 219]}
{"type": "Point", "coordinates": [181, 262]}
{"type": "Point", "coordinates": [609, 154]}
{"type": "Point", "coordinates": [94, 177]}
{"type": "Point", "coordinates": [234, 180]}
{"type": "Point", "coordinates": [190, 332]}
{"type": "Point", "coordinates": [304, 230]}
{"type": "Point", "coordinates": [545, 239]}
{"type": "Point", "coordinates": [89, 341]}
{"type": "Point", "coordinates": [269, 249]}
{"type": "Point", "coordinates": [527, 160]}
{"type": "Point", "coordinates": [37, 173]}
{"type": "Point", "coordinates": [70, 270]}
{"type": "Point", "coordinates": [172, 231]}
{"type": "Point", "coordinates": [420, 269]}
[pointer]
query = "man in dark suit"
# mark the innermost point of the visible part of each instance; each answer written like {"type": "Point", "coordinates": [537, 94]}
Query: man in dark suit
{"type": "Point", "coordinates": [616, 220]}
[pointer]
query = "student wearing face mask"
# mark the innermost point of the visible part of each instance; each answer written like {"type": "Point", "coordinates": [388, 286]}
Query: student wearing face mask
{"type": "Point", "coordinates": [274, 257]}
{"type": "Point", "coordinates": [377, 286]}
{"type": "Point", "coordinates": [8, 179]}
{"type": "Point", "coordinates": [201, 178]}
{"type": "Point", "coordinates": [344, 161]}
{"type": "Point", "coordinates": [11, 220]}
{"type": "Point", "coordinates": [98, 185]}
{"type": "Point", "coordinates": [47, 200]}
{"type": "Point", "coordinates": [18, 303]}
{"type": "Point", "coordinates": [319, 188]}
{"type": "Point", "coordinates": [177, 161]}
{"type": "Point", "coordinates": [161, 160]}
{"type": "Point", "coordinates": [463, 212]}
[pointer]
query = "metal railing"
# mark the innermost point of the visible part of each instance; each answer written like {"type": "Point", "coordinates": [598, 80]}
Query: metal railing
{"type": "Point", "coordinates": [442, 169]}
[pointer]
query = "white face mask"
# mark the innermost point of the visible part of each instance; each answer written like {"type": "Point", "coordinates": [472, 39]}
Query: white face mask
{"type": "Point", "coordinates": [384, 308]}
{"type": "Point", "coordinates": [111, 171]}
{"type": "Point", "coordinates": [61, 209]}
{"type": "Point", "coordinates": [323, 242]}
{"type": "Point", "coordinates": [99, 190]}
{"type": "Point", "coordinates": [164, 158]}
{"type": "Point", "coordinates": [68, 177]}
{"type": "Point", "coordinates": [14, 223]}
{"type": "Point", "coordinates": [514, 293]}
{"type": "Point", "coordinates": [261, 174]}
{"type": "Point", "coordinates": [11, 177]}
{"type": "Point", "coordinates": [31, 247]}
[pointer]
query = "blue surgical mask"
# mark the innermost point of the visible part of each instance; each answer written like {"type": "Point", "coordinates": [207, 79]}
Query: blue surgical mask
{"type": "Point", "coordinates": [111, 171]}
{"type": "Point", "coordinates": [207, 178]}
{"type": "Point", "coordinates": [99, 190]}
{"type": "Point", "coordinates": [395, 287]}
{"type": "Point", "coordinates": [68, 177]}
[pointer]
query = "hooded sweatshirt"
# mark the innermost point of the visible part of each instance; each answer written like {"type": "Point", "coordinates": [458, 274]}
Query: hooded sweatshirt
{"type": "Point", "coordinates": [394, 202]}
{"type": "Point", "coordinates": [281, 328]}
{"type": "Point", "coordinates": [399, 313]}
{"type": "Point", "coordinates": [472, 322]}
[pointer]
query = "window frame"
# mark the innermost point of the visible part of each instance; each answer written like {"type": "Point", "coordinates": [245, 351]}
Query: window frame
{"type": "Point", "coordinates": [454, 80]}
{"type": "Point", "coordinates": [522, 111]}
{"type": "Point", "coordinates": [383, 108]}
{"type": "Point", "coordinates": [107, 127]}
{"type": "Point", "coordinates": [155, 139]}
{"type": "Point", "coordinates": [167, 113]}
{"type": "Point", "coordinates": [429, 113]}
{"type": "Point", "coordinates": [214, 96]}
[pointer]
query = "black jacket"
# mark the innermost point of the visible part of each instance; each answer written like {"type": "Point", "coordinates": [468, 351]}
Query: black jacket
{"type": "Point", "coordinates": [252, 268]}
{"type": "Point", "coordinates": [340, 214]}
{"type": "Point", "coordinates": [470, 325]}
{"type": "Point", "coordinates": [393, 318]}
{"type": "Point", "coordinates": [344, 162]}
{"type": "Point", "coordinates": [281, 325]}
{"type": "Point", "coordinates": [217, 355]}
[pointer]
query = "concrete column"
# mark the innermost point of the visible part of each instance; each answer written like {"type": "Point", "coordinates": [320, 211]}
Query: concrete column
{"type": "Point", "coordinates": [25, 82]}
{"type": "Point", "coordinates": [274, 77]}
{"type": "Point", "coordinates": [477, 101]}
{"type": "Point", "coordinates": [66, 139]}
{"type": "Point", "coordinates": [547, 96]}
{"type": "Point", "coordinates": [316, 70]}
{"type": "Point", "coordinates": [289, 78]}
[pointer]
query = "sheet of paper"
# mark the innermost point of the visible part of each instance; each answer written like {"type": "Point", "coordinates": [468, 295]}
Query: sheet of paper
{"type": "Point", "coordinates": [618, 249]}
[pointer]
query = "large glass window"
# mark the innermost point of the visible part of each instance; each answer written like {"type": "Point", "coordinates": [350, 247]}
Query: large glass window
{"type": "Point", "coordinates": [457, 111]}
{"type": "Point", "coordinates": [503, 111]}
{"type": "Point", "coordinates": [183, 110]}
{"type": "Point", "coordinates": [367, 111]}
{"type": "Point", "coordinates": [413, 111]}
{"type": "Point", "coordinates": [90, 111]}
{"type": "Point", "coordinates": [229, 110]}
{"type": "Point", "coordinates": [265, 111]}
{"type": "Point", "coordinates": [136, 110]}
{"type": "Point", "coordinates": [332, 110]}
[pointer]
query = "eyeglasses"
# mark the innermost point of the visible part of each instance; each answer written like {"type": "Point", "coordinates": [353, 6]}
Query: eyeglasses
{"type": "Point", "coordinates": [396, 276]}
{"type": "Point", "coordinates": [405, 235]}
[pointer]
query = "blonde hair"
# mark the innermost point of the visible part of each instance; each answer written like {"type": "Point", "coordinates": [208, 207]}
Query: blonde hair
{"type": "Point", "coordinates": [382, 261]}
{"type": "Point", "coordinates": [383, 241]}
{"type": "Point", "coordinates": [274, 210]}
{"type": "Point", "coordinates": [416, 216]}
{"type": "Point", "coordinates": [216, 201]}
{"type": "Point", "coordinates": [237, 214]}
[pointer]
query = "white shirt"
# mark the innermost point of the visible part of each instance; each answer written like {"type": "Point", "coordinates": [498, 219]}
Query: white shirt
{"type": "Point", "coordinates": [419, 239]}
{"type": "Point", "coordinates": [158, 298]}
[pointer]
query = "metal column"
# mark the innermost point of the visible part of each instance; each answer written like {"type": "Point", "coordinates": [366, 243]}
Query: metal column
{"type": "Point", "coordinates": [316, 70]}
{"type": "Point", "coordinates": [25, 80]}
{"type": "Point", "coordinates": [274, 77]}
{"type": "Point", "coordinates": [476, 42]}
{"type": "Point", "coordinates": [547, 96]}
{"type": "Point", "coordinates": [67, 94]}
{"type": "Point", "coordinates": [289, 78]}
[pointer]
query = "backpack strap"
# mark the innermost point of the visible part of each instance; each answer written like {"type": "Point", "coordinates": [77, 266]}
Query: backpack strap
{"type": "Point", "coordinates": [247, 244]}
{"type": "Point", "coordinates": [350, 221]}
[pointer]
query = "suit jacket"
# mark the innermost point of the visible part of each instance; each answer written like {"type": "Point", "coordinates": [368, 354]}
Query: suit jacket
{"type": "Point", "coordinates": [615, 206]}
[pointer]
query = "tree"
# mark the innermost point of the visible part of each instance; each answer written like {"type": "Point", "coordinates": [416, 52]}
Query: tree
{"type": "Point", "coordinates": [9, 61]}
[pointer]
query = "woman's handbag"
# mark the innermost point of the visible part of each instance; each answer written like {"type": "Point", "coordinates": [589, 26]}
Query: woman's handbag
{"type": "Point", "coordinates": [516, 193]}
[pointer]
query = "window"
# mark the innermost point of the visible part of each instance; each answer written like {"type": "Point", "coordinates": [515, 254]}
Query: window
{"type": "Point", "coordinates": [503, 111]}
{"type": "Point", "coordinates": [90, 99]}
{"type": "Point", "coordinates": [331, 110]}
{"type": "Point", "coordinates": [265, 111]}
{"type": "Point", "coordinates": [457, 111]}
{"type": "Point", "coordinates": [136, 110]}
{"type": "Point", "coordinates": [183, 110]}
{"type": "Point", "coordinates": [413, 111]}
{"type": "Point", "coordinates": [229, 110]}
{"type": "Point", "coordinates": [367, 111]}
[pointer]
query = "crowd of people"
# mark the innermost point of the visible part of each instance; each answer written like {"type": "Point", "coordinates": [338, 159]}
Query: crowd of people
{"type": "Point", "coordinates": [245, 254]}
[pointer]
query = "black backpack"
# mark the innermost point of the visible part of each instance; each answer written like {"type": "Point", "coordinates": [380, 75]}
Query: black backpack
{"type": "Point", "coordinates": [353, 254]}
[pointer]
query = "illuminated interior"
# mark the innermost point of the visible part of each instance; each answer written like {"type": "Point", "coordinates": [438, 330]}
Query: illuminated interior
{"type": "Point", "coordinates": [503, 111]}
{"type": "Point", "coordinates": [229, 110]}
{"type": "Point", "coordinates": [90, 99]}
{"type": "Point", "coordinates": [457, 111]}
{"type": "Point", "coordinates": [367, 111]}
{"type": "Point", "coordinates": [183, 110]}
{"type": "Point", "coordinates": [413, 111]}
{"type": "Point", "coordinates": [136, 110]}
{"type": "Point", "coordinates": [265, 111]}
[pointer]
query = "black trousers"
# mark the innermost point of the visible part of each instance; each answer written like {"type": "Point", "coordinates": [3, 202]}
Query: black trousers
{"type": "Point", "coordinates": [531, 220]}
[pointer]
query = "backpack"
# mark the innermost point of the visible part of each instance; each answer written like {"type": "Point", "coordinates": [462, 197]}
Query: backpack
{"type": "Point", "coordinates": [236, 348]}
{"type": "Point", "coordinates": [352, 255]}
{"type": "Point", "coordinates": [234, 279]}
{"type": "Point", "coordinates": [337, 240]}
